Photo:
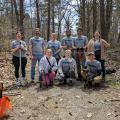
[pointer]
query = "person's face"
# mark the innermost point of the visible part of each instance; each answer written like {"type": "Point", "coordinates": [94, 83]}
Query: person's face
{"type": "Point", "coordinates": [91, 57]}
{"type": "Point", "coordinates": [53, 36]}
{"type": "Point", "coordinates": [68, 33]}
{"type": "Point", "coordinates": [68, 54]}
{"type": "Point", "coordinates": [79, 32]}
{"type": "Point", "coordinates": [37, 32]}
{"type": "Point", "coordinates": [48, 53]}
{"type": "Point", "coordinates": [18, 36]}
{"type": "Point", "coordinates": [97, 34]}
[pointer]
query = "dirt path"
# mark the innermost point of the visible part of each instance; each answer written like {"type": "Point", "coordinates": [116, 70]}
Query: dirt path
{"type": "Point", "coordinates": [66, 103]}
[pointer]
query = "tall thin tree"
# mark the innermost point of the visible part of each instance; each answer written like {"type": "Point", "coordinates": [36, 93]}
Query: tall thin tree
{"type": "Point", "coordinates": [102, 18]}
{"type": "Point", "coordinates": [94, 15]}
{"type": "Point", "coordinates": [48, 22]}
{"type": "Point", "coordinates": [38, 17]}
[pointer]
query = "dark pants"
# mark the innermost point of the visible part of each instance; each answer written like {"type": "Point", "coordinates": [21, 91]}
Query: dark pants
{"type": "Point", "coordinates": [103, 68]}
{"type": "Point", "coordinates": [16, 63]}
{"type": "Point", "coordinates": [79, 56]}
{"type": "Point", "coordinates": [98, 57]}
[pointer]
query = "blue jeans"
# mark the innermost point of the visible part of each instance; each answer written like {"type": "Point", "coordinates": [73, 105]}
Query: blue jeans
{"type": "Point", "coordinates": [36, 58]}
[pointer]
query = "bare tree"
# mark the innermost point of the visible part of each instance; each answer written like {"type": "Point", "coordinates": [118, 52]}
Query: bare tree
{"type": "Point", "coordinates": [21, 15]}
{"type": "Point", "coordinates": [53, 16]}
{"type": "Point", "coordinates": [102, 19]}
{"type": "Point", "coordinates": [94, 15]}
{"type": "Point", "coordinates": [48, 22]}
{"type": "Point", "coordinates": [37, 9]}
{"type": "Point", "coordinates": [108, 17]}
{"type": "Point", "coordinates": [16, 12]}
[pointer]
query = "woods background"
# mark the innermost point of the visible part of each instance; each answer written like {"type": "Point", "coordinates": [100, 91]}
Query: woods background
{"type": "Point", "coordinates": [56, 16]}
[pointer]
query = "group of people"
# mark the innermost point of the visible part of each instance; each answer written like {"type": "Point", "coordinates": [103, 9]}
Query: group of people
{"type": "Point", "coordinates": [71, 57]}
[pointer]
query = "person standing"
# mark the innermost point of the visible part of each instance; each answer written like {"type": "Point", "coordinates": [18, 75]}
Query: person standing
{"type": "Point", "coordinates": [99, 46]}
{"type": "Point", "coordinates": [79, 46]}
{"type": "Point", "coordinates": [55, 46]}
{"type": "Point", "coordinates": [19, 59]}
{"type": "Point", "coordinates": [67, 41]}
{"type": "Point", "coordinates": [36, 47]}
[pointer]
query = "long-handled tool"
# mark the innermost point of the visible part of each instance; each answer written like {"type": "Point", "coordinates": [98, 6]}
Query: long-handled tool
{"type": "Point", "coordinates": [20, 65]}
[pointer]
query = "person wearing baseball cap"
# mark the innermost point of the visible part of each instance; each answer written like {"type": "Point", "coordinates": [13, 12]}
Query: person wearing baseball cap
{"type": "Point", "coordinates": [93, 69]}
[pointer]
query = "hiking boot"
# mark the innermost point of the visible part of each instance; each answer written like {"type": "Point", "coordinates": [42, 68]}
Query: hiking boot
{"type": "Point", "coordinates": [70, 82]}
{"type": "Point", "coordinates": [65, 81]}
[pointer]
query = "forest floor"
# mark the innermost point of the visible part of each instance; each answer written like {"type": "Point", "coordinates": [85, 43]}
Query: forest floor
{"type": "Point", "coordinates": [64, 102]}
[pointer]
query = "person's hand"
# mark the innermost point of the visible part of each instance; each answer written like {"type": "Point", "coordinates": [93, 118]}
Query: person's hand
{"type": "Point", "coordinates": [31, 57]}
{"type": "Point", "coordinates": [21, 46]}
{"type": "Point", "coordinates": [18, 47]}
{"type": "Point", "coordinates": [41, 71]}
{"type": "Point", "coordinates": [85, 70]}
{"type": "Point", "coordinates": [53, 72]}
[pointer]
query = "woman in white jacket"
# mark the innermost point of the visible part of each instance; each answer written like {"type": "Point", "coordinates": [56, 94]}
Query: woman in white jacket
{"type": "Point", "coordinates": [47, 68]}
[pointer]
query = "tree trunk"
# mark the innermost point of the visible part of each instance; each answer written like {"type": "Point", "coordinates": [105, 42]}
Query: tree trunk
{"type": "Point", "coordinates": [108, 17]}
{"type": "Point", "coordinates": [102, 19]}
{"type": "Point", "coordinates": [94, 15]}
{"type": "Point", "coordinates": [48, 22]}
{"type": "Point", "coordinates": [88, 19]}
{"type": "Point", "coordinates": [53, 17]}
{"type": "Point", "coordinates": [12, 22]}
{"type": "Point", "coordinates": [83, 15]}
{"type": "Point", "coordinates": [16, 12]}
{"type": "Point", "coordinates": [21, 15]}
{"type": "Point", "coordinates": [38, 17]}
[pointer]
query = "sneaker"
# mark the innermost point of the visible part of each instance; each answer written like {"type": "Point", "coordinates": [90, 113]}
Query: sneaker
{"type": "Point", "coordinates": [18, 82]}
{"type": "Point", "coordinates": [24, 82]}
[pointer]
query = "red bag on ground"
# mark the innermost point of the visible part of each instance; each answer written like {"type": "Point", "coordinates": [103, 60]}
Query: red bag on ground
{"type": "Point", "coordinates": [4, 106]}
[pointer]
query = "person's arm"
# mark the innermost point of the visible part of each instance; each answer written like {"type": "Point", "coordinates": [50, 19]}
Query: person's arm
{"type": "Point", "coordinates": [63, 44]}
{"type": "Point", "coordinates": [14, 48]}
{"type": "Point", "coordinates": [75, 65]}
{"type": "Point", "coordinates": [73, 44]}
{"type": "Point", "coordinates": [55, 67]}
{"type": "Point", "coordinates": [30, 49]}
{"type": "Point", "coordinates": [60, 48]}
{"type": "Point", "coordinates": [44, 45]}
{"type": "Point", "coordinates": [106, 44]}
{"type": "Point", "coordinates": [89, 46]}
{"type": "Point", "coordinates": [86, 42]}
